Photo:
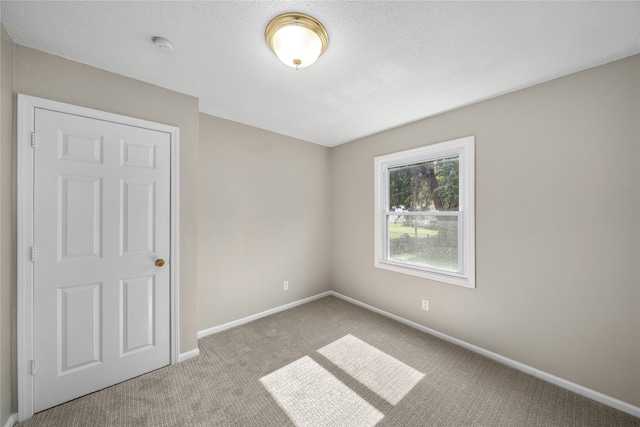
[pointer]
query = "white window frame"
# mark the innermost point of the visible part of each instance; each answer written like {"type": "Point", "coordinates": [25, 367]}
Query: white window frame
{"type": "Point", "coordinates": [464, 149]}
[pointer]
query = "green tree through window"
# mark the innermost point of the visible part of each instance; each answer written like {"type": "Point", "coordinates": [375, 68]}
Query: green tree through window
{"type": "Point", "coordinates": [432, 185]}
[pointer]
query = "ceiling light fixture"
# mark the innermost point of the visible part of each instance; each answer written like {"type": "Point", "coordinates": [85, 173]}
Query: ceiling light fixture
{"type": "Point", "coordinates": [297, 39]}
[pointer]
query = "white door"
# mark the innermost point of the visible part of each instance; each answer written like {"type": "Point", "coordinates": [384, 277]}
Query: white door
{"type": "Point", "coordinates": [101, 222]}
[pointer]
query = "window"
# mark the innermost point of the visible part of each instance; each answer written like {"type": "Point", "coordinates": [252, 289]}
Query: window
{"type": "Point", "coordinates": [424, 221]}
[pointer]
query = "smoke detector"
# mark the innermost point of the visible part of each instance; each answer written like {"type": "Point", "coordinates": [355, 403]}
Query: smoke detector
{"type": "Point", "coordinates": [163, 44]}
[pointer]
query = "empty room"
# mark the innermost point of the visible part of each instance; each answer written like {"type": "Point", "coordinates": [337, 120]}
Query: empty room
{"type": "Point", "coordinates": [325, 213]}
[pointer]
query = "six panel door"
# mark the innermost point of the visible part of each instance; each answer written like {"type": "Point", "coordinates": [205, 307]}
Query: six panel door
{"type": "Point", "coordinates": [101, 221]}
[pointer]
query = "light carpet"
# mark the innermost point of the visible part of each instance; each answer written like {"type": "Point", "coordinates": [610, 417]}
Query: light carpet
{"type": "Point", "coordinates": [385, 375]}
{"type": "Point", "coordinates": [223, 387]}
{"type": "Point", "coordinates": [312, 397]}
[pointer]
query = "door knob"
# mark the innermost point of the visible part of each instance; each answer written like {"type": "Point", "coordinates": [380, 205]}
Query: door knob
{"type": "Point", "coordinates": [160, 262]}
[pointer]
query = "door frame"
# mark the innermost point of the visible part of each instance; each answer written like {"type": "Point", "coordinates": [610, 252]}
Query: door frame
{"type": "Point", "coordinates": [27, 106]}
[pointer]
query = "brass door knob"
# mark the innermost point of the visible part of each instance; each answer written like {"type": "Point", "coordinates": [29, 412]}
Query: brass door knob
{"type": "Point", "coordinates": [160, 262]}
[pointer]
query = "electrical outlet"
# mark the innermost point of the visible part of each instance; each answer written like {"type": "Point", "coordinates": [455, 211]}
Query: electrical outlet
{"type": "Point", "coordinates": [425, 305]}
{"type": "Point", "coordinates": [285, 286]}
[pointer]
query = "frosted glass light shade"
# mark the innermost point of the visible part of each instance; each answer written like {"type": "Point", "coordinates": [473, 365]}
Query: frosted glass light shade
{"type": "Point", "coordinates": [298, 40]}
{"type": "Point", "coordinates": [297, 46]}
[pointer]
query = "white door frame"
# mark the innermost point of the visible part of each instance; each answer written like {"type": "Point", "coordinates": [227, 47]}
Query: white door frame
{"type": "Point", "coordinates": [26, 127]}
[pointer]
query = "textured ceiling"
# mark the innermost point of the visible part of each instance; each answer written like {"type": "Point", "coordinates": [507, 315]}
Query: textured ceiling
{"type": "Point", "coordinates": [388, 62]}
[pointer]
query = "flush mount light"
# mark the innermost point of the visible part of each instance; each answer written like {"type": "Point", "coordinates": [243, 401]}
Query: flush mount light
{"type": "Point", "coordinates": [297, 39]}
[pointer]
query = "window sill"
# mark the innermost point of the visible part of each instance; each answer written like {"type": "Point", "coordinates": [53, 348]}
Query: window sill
{"type": "Point", "coordinates": [451, 278]}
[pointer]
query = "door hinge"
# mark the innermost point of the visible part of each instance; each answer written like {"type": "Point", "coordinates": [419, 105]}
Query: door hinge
{"type": "Point", "coordinates": [33, 367]}
{"type": "Point", "coordinates": [33, 140]}
{"type": "Point", "coordinates": [33, 253]}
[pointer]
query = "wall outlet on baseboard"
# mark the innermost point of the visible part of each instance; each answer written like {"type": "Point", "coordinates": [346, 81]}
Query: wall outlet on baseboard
{"type": "Point", "coordinates": [425, 305]}
{"type": "Point", "coordinates": [285, 286]}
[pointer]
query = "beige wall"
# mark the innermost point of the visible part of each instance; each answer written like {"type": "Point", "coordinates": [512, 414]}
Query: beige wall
{"type": "Point", "coordinates": [263, 218]}
{"type": "Point", "coordinates": [7, 230]}
{"type": "Point", "coordinates": [557, 228]}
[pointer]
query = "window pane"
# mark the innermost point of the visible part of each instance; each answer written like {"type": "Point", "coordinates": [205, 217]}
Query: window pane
{"type": "Point", "coordinates": [426, 186]}
{"type": "Point", "coordinates": [427, 241]}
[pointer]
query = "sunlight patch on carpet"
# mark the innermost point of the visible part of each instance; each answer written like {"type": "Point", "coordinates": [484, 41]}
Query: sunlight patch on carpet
{"type": "Point", "coordinates": [312, 397]}
{"type": "Point", "coordinates": [383, 374]}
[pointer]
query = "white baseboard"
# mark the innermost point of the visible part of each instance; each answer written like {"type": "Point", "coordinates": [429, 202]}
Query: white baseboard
{"type": "Point", "coordinates": [13, 418]}
{"type": "Point", "coordinates": [188, 355]}
{"type": "Point", "coordinates": [568, 385]}
{"type": "Point", "coordinates": [220, 328]}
